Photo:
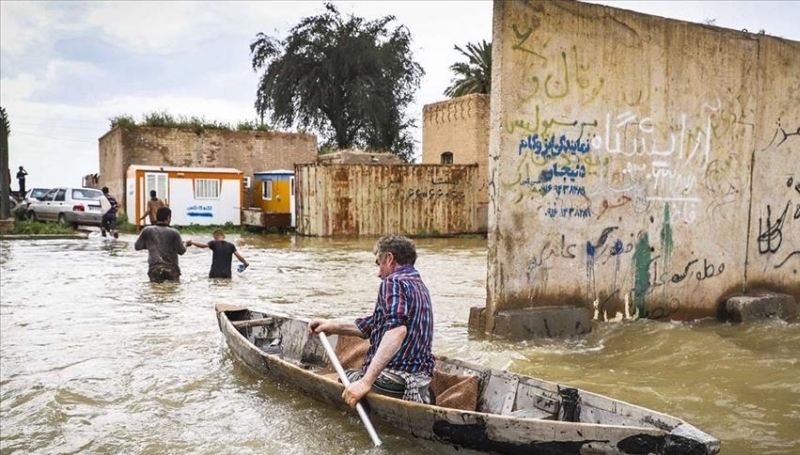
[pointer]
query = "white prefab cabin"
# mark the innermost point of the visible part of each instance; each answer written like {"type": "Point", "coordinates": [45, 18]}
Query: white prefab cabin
{"type": "Point", "coordinates": [196, 195]}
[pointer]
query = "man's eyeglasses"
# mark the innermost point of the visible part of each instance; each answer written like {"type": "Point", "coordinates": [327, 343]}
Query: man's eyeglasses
{"type": "Point", "coordinates": [382, 258]}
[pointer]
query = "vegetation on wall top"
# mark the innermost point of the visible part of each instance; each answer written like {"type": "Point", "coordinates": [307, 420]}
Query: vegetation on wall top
{"type": "Point", "coordinates": [196, 124]}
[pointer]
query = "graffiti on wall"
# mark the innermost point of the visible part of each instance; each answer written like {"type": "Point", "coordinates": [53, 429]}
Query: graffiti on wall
{"type": "Point", "coordinates": [779, 216]}
{"type": "Point", "coordinates": [588, 154]}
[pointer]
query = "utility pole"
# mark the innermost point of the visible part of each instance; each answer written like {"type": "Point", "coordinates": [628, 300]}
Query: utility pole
{"type": "Point", "coordinates": [5, 191]}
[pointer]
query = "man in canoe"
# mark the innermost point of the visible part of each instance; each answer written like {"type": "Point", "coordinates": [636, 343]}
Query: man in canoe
{"type": "Point", "coordinates": [399, 361]}
{"type": "Point", "coordinates": [163, 245]}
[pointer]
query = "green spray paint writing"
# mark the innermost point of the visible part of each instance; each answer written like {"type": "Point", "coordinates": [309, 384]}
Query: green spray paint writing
{"type": "Point", "coordinates": [666, 242]}
{"type": "Point", "coordinates": [641, 266]}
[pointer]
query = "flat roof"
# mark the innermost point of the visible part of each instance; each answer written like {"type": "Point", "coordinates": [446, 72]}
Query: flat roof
{"type": "Point", "coordinates": [278, 171]}
{"type": "Point", "coordinates": [223, 170]}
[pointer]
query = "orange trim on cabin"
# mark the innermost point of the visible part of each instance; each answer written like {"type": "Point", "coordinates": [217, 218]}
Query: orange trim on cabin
{"type": "Point", "coordinates": [140, 173]}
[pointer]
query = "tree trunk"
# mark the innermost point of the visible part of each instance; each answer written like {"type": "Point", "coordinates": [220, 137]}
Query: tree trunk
{"type": "Point", "coordinates": [5, 178]}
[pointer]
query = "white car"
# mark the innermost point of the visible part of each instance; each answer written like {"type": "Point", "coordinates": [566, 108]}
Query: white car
{"type": "Point", "coordinates": [73, 206]}
{"type": "Point", "coordinates": [31, 195]}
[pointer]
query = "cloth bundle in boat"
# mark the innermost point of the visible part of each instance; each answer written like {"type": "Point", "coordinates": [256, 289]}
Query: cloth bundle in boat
{"type": "Point", "coordinates": [451, 390]}
{"type": "Point", "coordinates": [351, 352]}
{"type": "Point", "coordinates": [455, 391]}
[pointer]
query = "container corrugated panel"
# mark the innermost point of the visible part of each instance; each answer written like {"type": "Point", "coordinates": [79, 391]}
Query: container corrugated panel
{"type": "Point", "coordinates": [374, 199]}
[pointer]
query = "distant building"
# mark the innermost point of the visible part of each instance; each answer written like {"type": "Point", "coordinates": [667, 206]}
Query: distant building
{"type": "Point", "coordinates": [248, 151]}
{"type": "Point", "coordinates": [456, 131]}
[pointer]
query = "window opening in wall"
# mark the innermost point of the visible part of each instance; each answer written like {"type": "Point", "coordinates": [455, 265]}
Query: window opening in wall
{"type": "Point", "coordinates": [267, 190]}
{"type": "Point", "coordinates": [206, 189]}
{"type": "Point", "coordinates": [447, 158]}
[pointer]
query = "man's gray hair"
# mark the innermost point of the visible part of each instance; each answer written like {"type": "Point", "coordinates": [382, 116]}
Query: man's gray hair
{"type": "Point", "coordinates": [402, 248]}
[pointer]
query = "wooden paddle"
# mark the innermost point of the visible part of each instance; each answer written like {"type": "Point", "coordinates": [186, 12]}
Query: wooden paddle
{"type": "Point", "coordinates": [338, 366]}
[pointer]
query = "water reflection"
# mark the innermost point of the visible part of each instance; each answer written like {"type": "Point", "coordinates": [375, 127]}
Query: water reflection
{"type": "Point", "coordinates": [95, 359]}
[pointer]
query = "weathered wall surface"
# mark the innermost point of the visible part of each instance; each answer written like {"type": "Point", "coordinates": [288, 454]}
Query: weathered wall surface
{"type": "Point", "coordinates": [621, 153]}
{"type": "Point", "coordinates": [248, 151]}
{"type": "Point", "coordinates": [112, 167]}
{"type": "Point", "coordinates": [359, 157]}
{"type": "Point", "coordinates": [374, 199]}
{"type": "Point", "coordinates": [773, 260]}
{"type": "Point", "coordinates": [460, 126]}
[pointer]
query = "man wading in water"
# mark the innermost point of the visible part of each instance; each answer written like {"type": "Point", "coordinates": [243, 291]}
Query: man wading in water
{"type": "Point", "coordinates": [163, 245]}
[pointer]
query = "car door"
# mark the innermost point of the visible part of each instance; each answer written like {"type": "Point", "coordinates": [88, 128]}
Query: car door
{"type": "Point", "coordinates": [58, 204]}
{"type": "Point", "coordinates": [54, 205]}
{"type": "Point", "coordinates": [40, 208]}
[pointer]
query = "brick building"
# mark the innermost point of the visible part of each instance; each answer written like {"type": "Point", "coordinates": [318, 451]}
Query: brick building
{"type": "Point", "coordinates": [248, 151]}
{"type": "Point", "coordinates": [456, 131]}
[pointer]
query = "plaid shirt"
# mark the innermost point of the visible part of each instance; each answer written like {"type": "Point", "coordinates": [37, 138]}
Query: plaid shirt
{"type": "Point", "coordinates": [403, 299]}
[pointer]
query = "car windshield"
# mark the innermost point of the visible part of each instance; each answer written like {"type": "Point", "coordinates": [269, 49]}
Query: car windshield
{"type": "Point", "coordinates": [39, 192]}
{"type": "Point", "coordinates": [86, 194]}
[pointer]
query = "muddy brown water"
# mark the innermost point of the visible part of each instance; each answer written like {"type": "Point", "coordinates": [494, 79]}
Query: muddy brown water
{"type": "Point", "coordinates": [94, 359]}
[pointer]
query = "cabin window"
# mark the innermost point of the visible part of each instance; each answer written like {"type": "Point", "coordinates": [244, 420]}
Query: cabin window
{"type": "Point", "coordinates": [206, 189]}
{"type": "Point", "coordinates": [447, 158]}
{"type": "Point", "coordinates": [266, 191]}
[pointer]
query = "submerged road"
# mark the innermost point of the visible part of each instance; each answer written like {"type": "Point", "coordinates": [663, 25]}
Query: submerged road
{"type": "Point", "coordinates": [94, 359]}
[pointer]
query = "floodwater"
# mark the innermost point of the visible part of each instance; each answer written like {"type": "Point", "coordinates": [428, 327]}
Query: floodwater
{"type": "Point", "coordinates": [94, 359]}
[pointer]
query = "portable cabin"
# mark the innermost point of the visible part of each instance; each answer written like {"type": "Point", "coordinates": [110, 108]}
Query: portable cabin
{"type": "Point", "coordinates": [274, 194]}
{"type": "Point", "coordinates": [196, 195]}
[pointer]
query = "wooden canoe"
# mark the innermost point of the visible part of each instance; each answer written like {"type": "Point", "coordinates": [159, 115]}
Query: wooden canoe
{"type": "Point", "coordinates": [507, 413]}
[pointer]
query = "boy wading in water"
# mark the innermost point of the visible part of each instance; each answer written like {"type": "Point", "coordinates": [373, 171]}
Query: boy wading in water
{"type": "Point", "coordinates": [222, 258]}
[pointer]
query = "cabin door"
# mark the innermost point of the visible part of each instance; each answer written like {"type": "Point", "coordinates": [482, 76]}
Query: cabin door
{"type": "Point", "coordinates": [291, 201]}
{"type": "Point", "coordinates": [158, 181]}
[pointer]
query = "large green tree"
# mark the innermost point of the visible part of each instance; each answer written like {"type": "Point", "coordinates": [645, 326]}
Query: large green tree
{"type": "Point", "coordinates": [347, 78]}
{"type": "Point", "coordinates": [474, 75]}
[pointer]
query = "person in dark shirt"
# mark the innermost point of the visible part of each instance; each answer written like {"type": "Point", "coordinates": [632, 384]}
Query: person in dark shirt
{"type": "Point", "coordinates": [163, 245]}
{"type": "Point", "coordinates": [109, 208]}
{"type": "Point", "coordinates": [21, 180]}
{"type": "Point", "coordinates": [222, 257]}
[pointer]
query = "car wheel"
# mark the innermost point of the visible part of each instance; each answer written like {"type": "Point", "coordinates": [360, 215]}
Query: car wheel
{"type": "Point", "coordinates": [31, 216]}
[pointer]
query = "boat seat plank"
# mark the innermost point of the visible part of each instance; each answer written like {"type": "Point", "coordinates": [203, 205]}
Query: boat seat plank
{"type": "Point", "coordinates": [252, 323]}
{"type": "Point", "coordinates": [511, 396]}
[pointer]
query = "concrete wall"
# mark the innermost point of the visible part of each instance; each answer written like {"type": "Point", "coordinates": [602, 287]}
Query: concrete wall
{"type": "Point", "coordinates": [624, 150]}
{"type": "Point", "coordinates": [359, 157]}
{"type": "Point", "coordinates": [773, 240]}
{"type": "Point", "coordinates": [377, 199]}
{"type": "Point", "coordinates": [248, 151]}
{"type": "Point", "coordinates": [460, 126]}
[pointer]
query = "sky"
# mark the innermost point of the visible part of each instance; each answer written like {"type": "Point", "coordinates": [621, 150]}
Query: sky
{"type": "Point", "coordinates": [66, 68]}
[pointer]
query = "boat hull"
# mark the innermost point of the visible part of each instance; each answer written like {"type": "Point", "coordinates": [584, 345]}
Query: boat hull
{"type": "Point", "coordinates": [299, 360]}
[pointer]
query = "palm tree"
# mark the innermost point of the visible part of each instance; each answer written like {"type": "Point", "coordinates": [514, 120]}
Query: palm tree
{"type": "Point", "coordinates": [474, 76]}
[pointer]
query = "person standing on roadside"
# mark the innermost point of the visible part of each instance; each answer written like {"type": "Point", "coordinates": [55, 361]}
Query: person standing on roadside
{"type": "Point", "coordinates": [163, 245]}
{"type": "Point", "coordinates": [21, 180]}
{"type": "Point", "coordinates": [222, 258]}
{"type": "Point", "coordinates": [153, 204]}
{"type": "Point", "coordinates": [109, 207]}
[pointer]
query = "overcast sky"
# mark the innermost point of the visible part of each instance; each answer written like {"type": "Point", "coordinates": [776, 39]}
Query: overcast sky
{"type": "Point", "coordinates": [67, 67]}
